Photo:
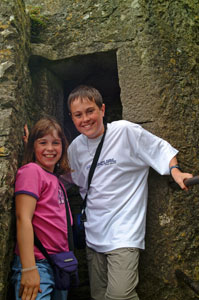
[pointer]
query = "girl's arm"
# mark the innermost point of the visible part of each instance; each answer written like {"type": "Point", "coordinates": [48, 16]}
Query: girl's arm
{"type": "Point", "coordinates": [177, 175]}
{"type": "Point", "coordinates": [30, 280]}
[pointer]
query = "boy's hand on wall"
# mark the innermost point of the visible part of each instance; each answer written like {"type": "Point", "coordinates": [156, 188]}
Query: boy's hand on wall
{"type": "Point", "coordinates": [26, 134]}
{"type": "Point", "coordinates": [180, 177]}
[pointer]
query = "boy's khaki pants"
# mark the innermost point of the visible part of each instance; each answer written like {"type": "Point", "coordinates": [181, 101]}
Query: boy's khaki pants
{"type": "Point", "coordinates": [113, 275]}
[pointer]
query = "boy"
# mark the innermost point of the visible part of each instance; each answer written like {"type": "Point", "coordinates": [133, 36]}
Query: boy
{"type": "Point", "coordinates": [117, 198]}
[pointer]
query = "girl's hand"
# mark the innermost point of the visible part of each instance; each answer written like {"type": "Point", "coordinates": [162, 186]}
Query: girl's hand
{"type": "Point", "coordinates": [30, 285]}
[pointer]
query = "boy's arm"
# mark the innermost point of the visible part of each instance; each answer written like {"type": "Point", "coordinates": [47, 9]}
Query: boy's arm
{"type": "Point", "coordinates": [67, 180]}
{"type": "Point", "coordinates": [30, 279]}
{"type": "Point", "coordinates": [177, 175]}
{"type": "Point", "coordinates": [26, 134]}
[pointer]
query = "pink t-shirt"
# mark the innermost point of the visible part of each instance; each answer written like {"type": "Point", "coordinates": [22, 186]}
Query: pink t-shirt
{"type": "Point", "coordinates": [49, 219]}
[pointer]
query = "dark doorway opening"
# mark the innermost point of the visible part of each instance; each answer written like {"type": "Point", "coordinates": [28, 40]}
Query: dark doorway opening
{"type": "Point", "coordinates": [98, 70]}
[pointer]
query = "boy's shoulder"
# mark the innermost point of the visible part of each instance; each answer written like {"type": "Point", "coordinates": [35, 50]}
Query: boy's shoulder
{"type": "Point", "coordinates": [123, 124]}
{"type": "Point", "coordinates": [115, 126]}
{"type": "Point", "coordinates": [76, 141]}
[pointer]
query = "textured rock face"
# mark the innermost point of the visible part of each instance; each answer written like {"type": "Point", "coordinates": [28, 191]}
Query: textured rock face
{"type": "Point", "coordinates": [14, 90]}
{"type": "Point", "coordinates": [144, 58]}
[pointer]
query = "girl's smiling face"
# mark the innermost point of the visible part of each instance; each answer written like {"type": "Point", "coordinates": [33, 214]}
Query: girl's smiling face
{"type": "Point", "coordinates": [48, 150]}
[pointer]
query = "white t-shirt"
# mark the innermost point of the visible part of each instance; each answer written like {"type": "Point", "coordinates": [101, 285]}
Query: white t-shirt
{"type": "Point", "coordinates": [117, 198]}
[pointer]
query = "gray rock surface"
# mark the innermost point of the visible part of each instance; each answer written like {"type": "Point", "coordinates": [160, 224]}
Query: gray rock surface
{"type": "Point", "coordinates": [144, 58]}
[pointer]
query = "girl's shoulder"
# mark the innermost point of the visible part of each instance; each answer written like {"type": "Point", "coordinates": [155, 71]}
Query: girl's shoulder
{"type": "Point", "coordinates": [30, 166]}
{"type": "Point", "coordinates": [33, 169]}
{"type": "Point", "coordinates": [30, 170]}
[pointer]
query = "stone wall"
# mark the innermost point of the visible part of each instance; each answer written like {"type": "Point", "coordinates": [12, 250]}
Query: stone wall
{"type": "Point", "coordinates": [143, 55]}
{"type": "Point", "coordinates": [14, 86]}
{"type": "Point", "coordinates": [18, 104]}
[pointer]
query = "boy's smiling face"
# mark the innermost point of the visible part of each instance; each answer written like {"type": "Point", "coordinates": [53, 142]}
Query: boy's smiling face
{"type": "Point", "coordinates": [88, 117]}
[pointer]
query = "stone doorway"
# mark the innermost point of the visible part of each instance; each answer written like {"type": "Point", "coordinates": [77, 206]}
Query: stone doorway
{"type": "Point", "coordinates": [98, 70]}
{"type": "Point", "coordinates": [54, 80]}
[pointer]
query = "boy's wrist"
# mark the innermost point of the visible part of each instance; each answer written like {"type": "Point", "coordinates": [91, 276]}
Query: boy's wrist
{"type": "Point", "coordinates": [174, 167]}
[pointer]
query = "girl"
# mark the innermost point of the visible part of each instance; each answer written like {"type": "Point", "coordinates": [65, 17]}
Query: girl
{"type": "Point", "coordinates": [40, 208]}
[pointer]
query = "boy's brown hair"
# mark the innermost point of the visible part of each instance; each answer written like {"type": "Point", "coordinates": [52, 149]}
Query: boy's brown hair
{"type": "Point", "coordinates": [41, 128]}
{"type": "Point", "coordinates": [85, 92]}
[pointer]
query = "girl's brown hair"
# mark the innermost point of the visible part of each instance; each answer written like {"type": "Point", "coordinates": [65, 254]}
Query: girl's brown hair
{"type": "Point", "coordinates": [43, 127]}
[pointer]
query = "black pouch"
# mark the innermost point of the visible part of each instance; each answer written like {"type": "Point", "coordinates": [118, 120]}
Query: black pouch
{"type": "Point", "coordinates": [78, 232]}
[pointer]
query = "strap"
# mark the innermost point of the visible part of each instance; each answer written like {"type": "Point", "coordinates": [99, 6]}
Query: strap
{"type": "Point", "coordinates": [91, 172]}
{"type": "Point", "coordinates": [38, 243]}
{"type": "Point", "coordinates": [96, 157]}
{"type": "Point", "coordinates": [70, 231]}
